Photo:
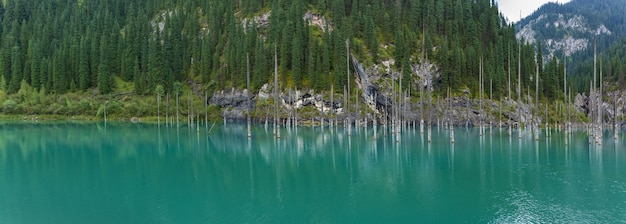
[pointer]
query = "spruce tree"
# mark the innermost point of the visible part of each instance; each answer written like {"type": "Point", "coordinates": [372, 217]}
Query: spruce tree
{"type": "Point", "coordinates": [35, 64]}
{"type": "Point", "coordinates": [104, 73]}
{"type": "Point", "coordinates": [16, 70]}
{"type": "Point", "coordinates": [297, 55]}
{"type": "Point", "coordinates": [370, 36]}
{"type": "Point", "coordinates": [260, 71]}
{"type": "Point", "coordinates": [83, 65]}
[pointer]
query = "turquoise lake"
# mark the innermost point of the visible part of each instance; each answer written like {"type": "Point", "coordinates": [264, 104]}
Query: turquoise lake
{"type": "Point", "coordinates": [143, 173]}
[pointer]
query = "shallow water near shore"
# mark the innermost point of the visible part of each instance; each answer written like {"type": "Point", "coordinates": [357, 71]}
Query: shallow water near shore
{"type": "Point", "coordinates": [145, 173]}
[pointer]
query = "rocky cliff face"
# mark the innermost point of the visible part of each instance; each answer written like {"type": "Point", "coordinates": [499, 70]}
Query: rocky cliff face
{"type": "Point", "coordinates": [612, 107]}
{"type": "Point", "coordinates": [561, 32]}
{"type": "Point", "coordinates": [375, 82]}
{"type": "Point", "coordinates": [375, 85]}
{"type": "Point", "coordinates": [234, 102]}
{"type": "Point", "coordinates": [263, 21]}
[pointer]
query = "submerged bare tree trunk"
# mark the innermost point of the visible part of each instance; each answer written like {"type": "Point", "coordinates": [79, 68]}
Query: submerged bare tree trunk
{"type": "Point", "coordinates": [206, 110]}
{"type": "Point", "coordinates": [332, 104]}
{"type": "Point", "coordinates": [536, 126]}
{"type": "Point", "coordinates": [159, 110]}
{"type": "Point", "coordinates": [422, 110]}
{"type": "Point", "coordinates": [248, 91]}
{"type": "Point", "coordinates": [519, 91]}
{"type": "Point", "coordinates": [177, 112]}
{"type": "Point", "coordinates": [276, 128]}
{"type": "Point", "coordinates": [348, 80]}
{"type": "Point", "coordinates": [480, 96]}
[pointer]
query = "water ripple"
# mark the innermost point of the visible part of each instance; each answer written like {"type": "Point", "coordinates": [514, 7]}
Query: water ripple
{"type": "Point", "coordinates": [523, 207]}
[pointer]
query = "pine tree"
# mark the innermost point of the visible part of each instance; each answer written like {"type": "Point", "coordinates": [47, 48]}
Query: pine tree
{"type": "Point", "coordinates": [260, 65]}
{"type": "Point", "coordinates": [325, 58]}
{"type": "Point", "coordinates": [26, 67]}
{"type": "Point", "coordinates": [5, 59]}
{"type": "Point", "coordinates": [16, 70]}
{"type": "Point", "coordinates": [414, 15]}
{"type": "Point", "coordinates": [83, 65]}
{"type": "Point", "coordinates": [44, 75]}
{"type": "Point", "coordinates": [104, 73]}
{"type": "Point", "coordinates": [297, 55]}
{"type": "Point", "coordinates": [59, 79]}
{"type": "Point", "coordinates": [156, 64]}
{"type": "Point", "coordinates": [400, 48]}
{"type": "Point", "coordinates": [35, 71]}
{"type": "Point", "coordinates": [205, 60]}
{"type": "Point", "coordinates": [338, 10]}
{"type": "Point", "coordinates": [311, 63]}
{"type": "Point", "coordinates": [94, 60]}
{"type": "Point", "coordinates": [285, 51]}
{"type": "Point", "coordinates": [371, 40]}
{"type": "Point", "coordinates": [445, 65]}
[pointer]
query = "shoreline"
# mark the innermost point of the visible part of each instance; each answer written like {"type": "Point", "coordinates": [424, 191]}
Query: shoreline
{"type": "Point", "coordinates": [75, 118]}
{"type": "Point", "coordinates": [255, 121]}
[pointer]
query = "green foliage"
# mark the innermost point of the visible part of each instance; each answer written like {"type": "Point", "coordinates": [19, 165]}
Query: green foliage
{"type": "Point", "coordinates": [9, 106]}
{"type": "Point", "coordinates": [111, 106]}
{"type": "Point", "coordinates": [213, 111]}
{"type": "Point", "coordinates": [178, 88]}
{"type": "Point", "coordinates": [16, 67]}
{"type": "Point", "coordinates": [121, 85]}
{"type": "Point", "coordinates": [3, 83]}
{"type": "Point", "coordinates": [3, 95]}
{"type": "Point", "coordinates": [607, 13]}
{"type": "Point", "coordinates": [159, 90]}
{"type": "Point", "coordinates": [25, 91]}
{"type": "Point", "coordinates": [135, 48]}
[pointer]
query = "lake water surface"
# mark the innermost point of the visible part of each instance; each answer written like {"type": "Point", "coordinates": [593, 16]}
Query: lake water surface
{"type": "Point", "coordinates": [142, 173]}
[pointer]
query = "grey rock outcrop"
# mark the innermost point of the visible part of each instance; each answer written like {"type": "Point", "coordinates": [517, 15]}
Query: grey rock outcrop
{"type": "Point", "coordinates": [375, 82]}
{"type": "Point", "coordinates": [234, 103]}
{"type": "Point", "coordinates": [612, 107]}
{"type": "Point", "coordinates": [375, 85]}
{"type": "Point", "coordinates": [581, 103]}
{"type": "Point", "coordinates": [319, 21]}
{"type": "Point", "coordinates": [299, 99]}
{"type": "Point", "coordinates": [577, 33]}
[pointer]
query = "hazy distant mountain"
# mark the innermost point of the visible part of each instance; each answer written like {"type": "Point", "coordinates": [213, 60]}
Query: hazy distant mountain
{"type": "Point", "coordinates": [571, 27]}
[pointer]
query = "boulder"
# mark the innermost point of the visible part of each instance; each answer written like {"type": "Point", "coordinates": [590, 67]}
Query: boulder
{"type": "Point", "coordinates": [233, 98]}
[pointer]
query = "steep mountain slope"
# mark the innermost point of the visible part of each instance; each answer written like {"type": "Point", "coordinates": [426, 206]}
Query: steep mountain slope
{"type": "Point", "coordinates": [562, 32]}
{"type": "Point", "coordinates": [162, 47]}
{"type": "Point", "coordinates": [65, 46]}
{"type": "Point", "coordinates": [571, 29]}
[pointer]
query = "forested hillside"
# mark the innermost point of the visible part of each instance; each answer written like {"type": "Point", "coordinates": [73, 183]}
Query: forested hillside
{"type": "Point", "coordinates": [75, 46]}
{"type": "Point", "coordinates": [573, 29]}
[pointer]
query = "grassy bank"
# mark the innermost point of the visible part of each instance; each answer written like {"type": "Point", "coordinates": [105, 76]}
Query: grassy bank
{"type": "Point", "coordinates": [121, 105]}
{"type": "Point", "coordinates": [75, 118]}
{"type": "Point", "coordinates": [126, 106]}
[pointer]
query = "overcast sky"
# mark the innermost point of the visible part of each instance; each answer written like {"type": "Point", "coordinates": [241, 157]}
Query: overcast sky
{"type": "Point", "coordinates": [511, 8]}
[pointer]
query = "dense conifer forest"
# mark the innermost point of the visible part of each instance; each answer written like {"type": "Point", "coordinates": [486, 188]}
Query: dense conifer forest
{"type": "Point", "coordinates": [608, 14]}
{"type": "Point", "coordinates": [103, 48]}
